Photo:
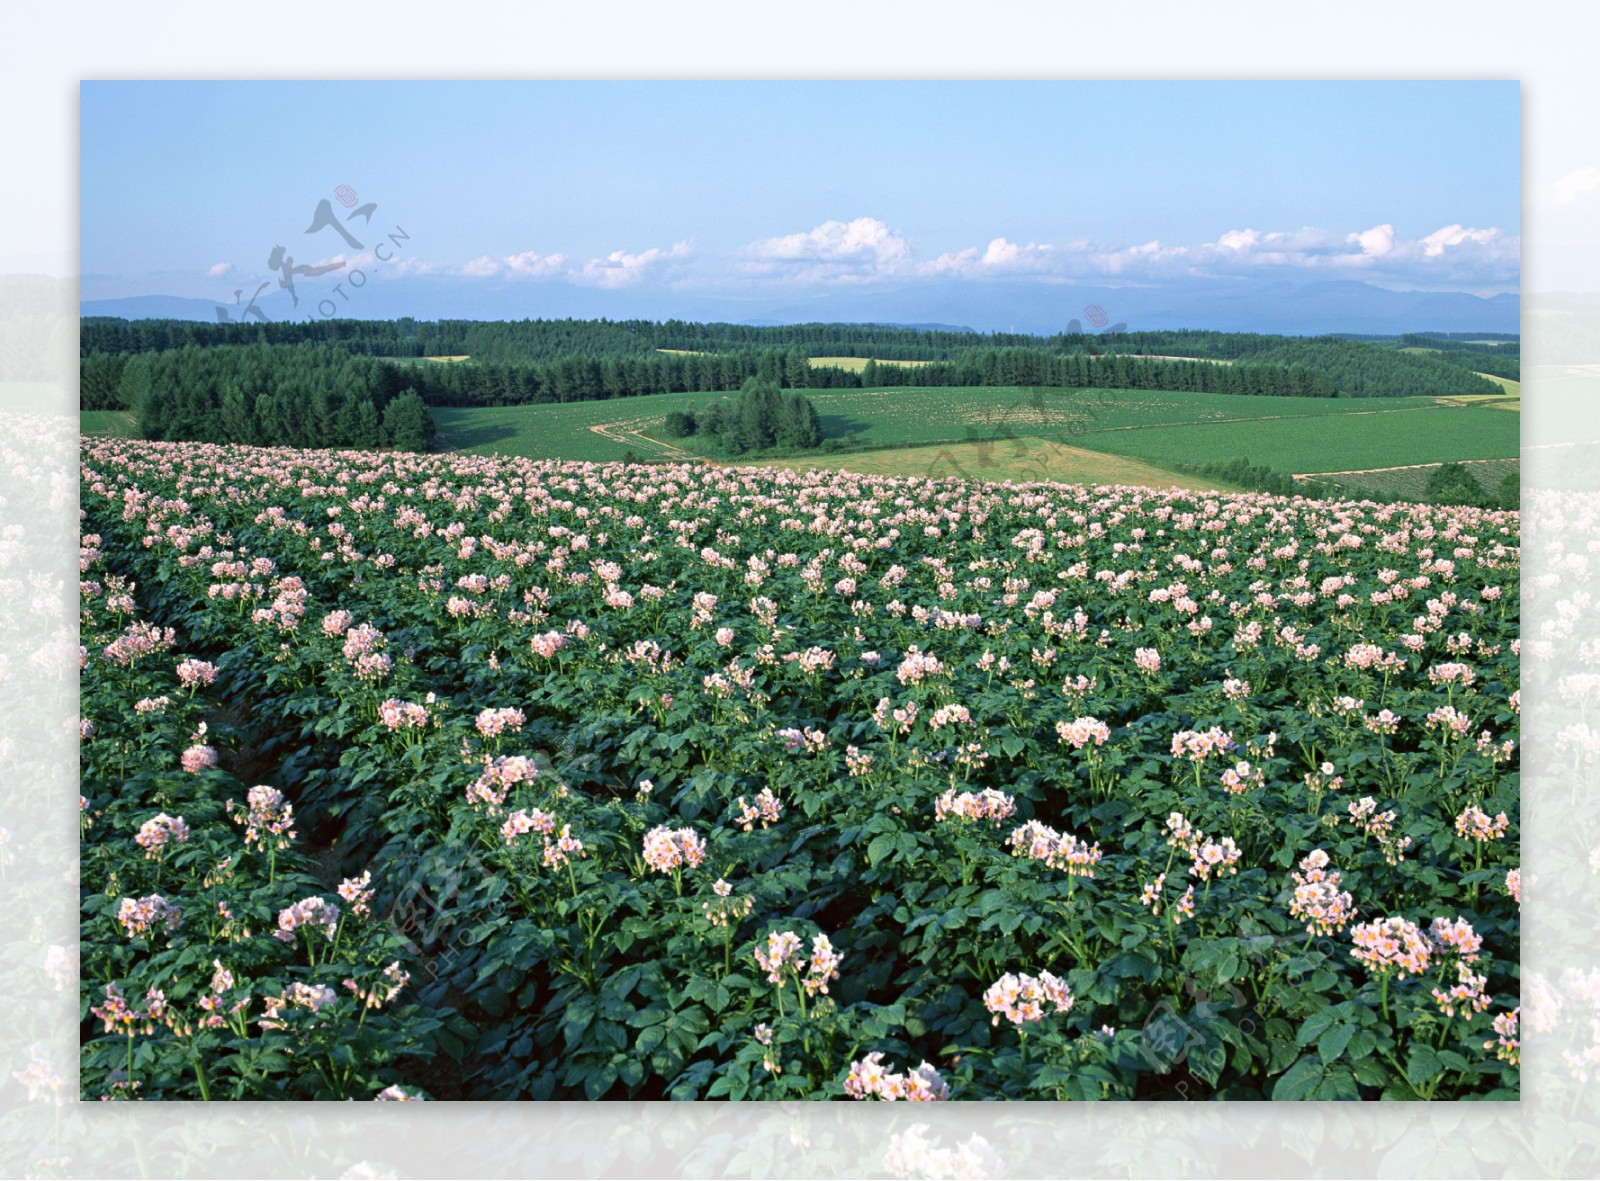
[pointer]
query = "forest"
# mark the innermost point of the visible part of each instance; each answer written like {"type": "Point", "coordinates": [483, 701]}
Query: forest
{"type": "Point", "coordinates": [762, 417]}
{"type": "Point", "coordinates": [335, 382]}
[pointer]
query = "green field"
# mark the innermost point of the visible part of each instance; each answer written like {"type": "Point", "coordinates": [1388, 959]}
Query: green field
{"type": "Point", "coordinates": [1411, 482]}
{"type": "Point", "coordinates": [1373, 438]}
{"type": "Point", "coordinates": [1152, 427]}
{"type": "Point", "coordinates": [118, 423]}
{"type": "Point", "coordinates": [1071, 436]}
{"type": "Point", "coordinates": [559, 430]}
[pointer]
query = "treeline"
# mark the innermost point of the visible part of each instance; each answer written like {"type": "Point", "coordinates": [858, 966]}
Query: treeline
{"type": "Point", "coordinates": [270, 396]}
{"type": "Point", "coordinates": [570, 357]}
{"type": "Point", "coordinates": [1503, 358]}
{"type": "Point", "coordinates": [761, 418]}
{"type": "Point", "coordinates": [577, 379]}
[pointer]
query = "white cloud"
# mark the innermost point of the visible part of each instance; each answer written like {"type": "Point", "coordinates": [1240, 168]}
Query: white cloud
{"type": "Point", "coordinates": [221, 269]}
{"type": "Point", "coordinates": [1567, 189]}
{"type": "Point", "coordinates": [529, 264]}
{"type": "Point", "coordinates": [622, 269]}
{"type": "Point", "coordinates": [865, 240]}
{"type": "Point", "coordinates": [480, 267]}
{"type": "Point", "coordinates": [1376, 242]}
{"type": "Point", "coordinates": [1454, 254]}
{"type": "Point", "coordinates": [1437, 242]}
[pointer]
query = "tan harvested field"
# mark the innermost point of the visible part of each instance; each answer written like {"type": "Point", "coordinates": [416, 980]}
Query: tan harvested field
{"type": "Point", "coordinates": [1168, 357]}
{"type": "Point", "coordinates": [1022, 460]}
{"type": "Point", "coordinates": [857, 364]}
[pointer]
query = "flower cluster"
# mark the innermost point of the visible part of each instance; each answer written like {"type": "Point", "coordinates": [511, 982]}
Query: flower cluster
{"type": "Point", "coordinates": [766, 810]}
{"type": "Point", "coordinates": [1081, 732]}
{"type": "Point", "coordinates": [669, 849]}
{"type": "Point", "coordinates": [725, 910]}
{"type": "Point", "coordinates": [781, 954]}
{"type": "Point", "coordinates": [1220, 857]}
{"type": "Point", "coordinates": [1152, 895]}
{"type": "Point", "coordinates": [524, 821]}
{"type": "Point", "coordinates": [1378, 825]}
{"type": "Point", "coordinates": [394, 979]}
{"type": "Point", "coordinates": [1505, 1044]}
{"type": "Point", "coordinates": [1474, 825]}
{"type": "Point", "coordinates": [1242, 777]}
{"type": "Point", "coordinates": [1450, 720]}
{"type": "Point", "coordinates": [1199, 745]}
{"type": "Point", "coordinates": [562, 848]}
{"type": "Point", "coordinates": [402, 715]}
{"type": "Point", "coordinates": [267, 815]}
{"type": "Point", "coordinates": [868, 1079]}
{"type": "Point", "coordinates": [357, 893]}
{"type": "Point", "coordinates": [1457, 937]}
{"type": "Point", "coordinates": [499, 775]}
{"type": "Point", "coordinates": [139, 916]}
{"type": "Point", "coordinates": [1467, 994]}
{"type": "Point", "coordinates": [1021, 999]}
{"type": "Point", "coordinates": [194, 673]}
{"type": "Point", "coordinates": [1062, 851]}
{"type": "Point", "coordinates": [313, 912]}
{"type": "Point", "coordinates": [158, 832]}
{"type": "Point", "coordinates": [1318, 901]}
{"type": "Point", "coordinates": [494, 722]}
{"type": "Point", "coordinates": [917, 667]}
{"type": "Point", "coordinates": [198, 758]}
{"type": "Point", "coordinates": [989, 804]}
{"type": "Point", "coordinates": [1392, 944]}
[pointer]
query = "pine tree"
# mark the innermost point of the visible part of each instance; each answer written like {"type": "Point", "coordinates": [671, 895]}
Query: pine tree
{"type": "Point", "coordinates": [407, 423]}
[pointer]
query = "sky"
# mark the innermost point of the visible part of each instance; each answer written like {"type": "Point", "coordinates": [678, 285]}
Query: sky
{"type": "Point", "coordinates": [641, 197]}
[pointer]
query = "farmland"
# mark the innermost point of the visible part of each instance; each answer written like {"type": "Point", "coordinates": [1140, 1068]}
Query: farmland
{"type": "Point", "coordinates": [478, 777]}
{"type": "Point", "coordinates": [1147, 432]}
{"type": "Point", "coordinates": [1362, 438]}
{"type": "Point", "coordinates": [1409, 482]}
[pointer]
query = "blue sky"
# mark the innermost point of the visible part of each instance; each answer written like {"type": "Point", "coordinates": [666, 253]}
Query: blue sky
{"type": "Point", "coordinates": [768, 190]}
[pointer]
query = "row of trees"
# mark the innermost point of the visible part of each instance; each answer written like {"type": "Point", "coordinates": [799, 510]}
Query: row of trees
{"type": "Point", "coordinates": [272, 396]}
{"type": "Point", "coordinates": [761, 418]}
{"type": "Point", "coordinates": [585, 359]}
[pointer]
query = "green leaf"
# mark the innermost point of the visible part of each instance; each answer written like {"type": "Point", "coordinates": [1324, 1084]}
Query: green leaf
{"type": "Point", "coordinates": [1299, 1081]}
{"type": "Point", "coordinates": [1332, 1043]}
{"type": "Point", "coordinates": [879, 848]}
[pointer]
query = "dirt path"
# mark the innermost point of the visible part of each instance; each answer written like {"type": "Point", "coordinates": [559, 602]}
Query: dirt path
{"type": "Point", "coordinates": [1402, 467]}
{"type": "Point", "coordinates": [627, 437]}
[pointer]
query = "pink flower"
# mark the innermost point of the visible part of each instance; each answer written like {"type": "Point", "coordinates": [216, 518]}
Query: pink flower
{"type": "Point", "coordinates": [668, 849]}
{"type": "Point", "coordinates": [1474, 825]}
{"type": "Point", "coordinates": [766, 810]}
{"type": "Point", "coordinates": [1392, 944]}
{"type": "Point", "coordinates": [1021, 998]}
{"type": "Point", "coordinates": [494, 722]}
{"type": "Point", "coordinates": [158, 832]}
{"type": "Point", "coordinates": [198, 758]}
{"type": "Point", "coordinates": [308, 912]}
{"type": "Point", "coordinates": [990, 804]}
{"type": "Point", "coordinates": [194, 673]}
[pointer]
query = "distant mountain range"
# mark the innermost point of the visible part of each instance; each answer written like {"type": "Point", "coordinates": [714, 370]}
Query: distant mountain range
{"type": "Point", "coordinates": [1278, 306]}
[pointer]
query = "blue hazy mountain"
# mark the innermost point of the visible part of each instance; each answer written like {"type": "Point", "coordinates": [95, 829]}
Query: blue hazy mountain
{"type": "Point", "coordinates": [1279, 306]}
